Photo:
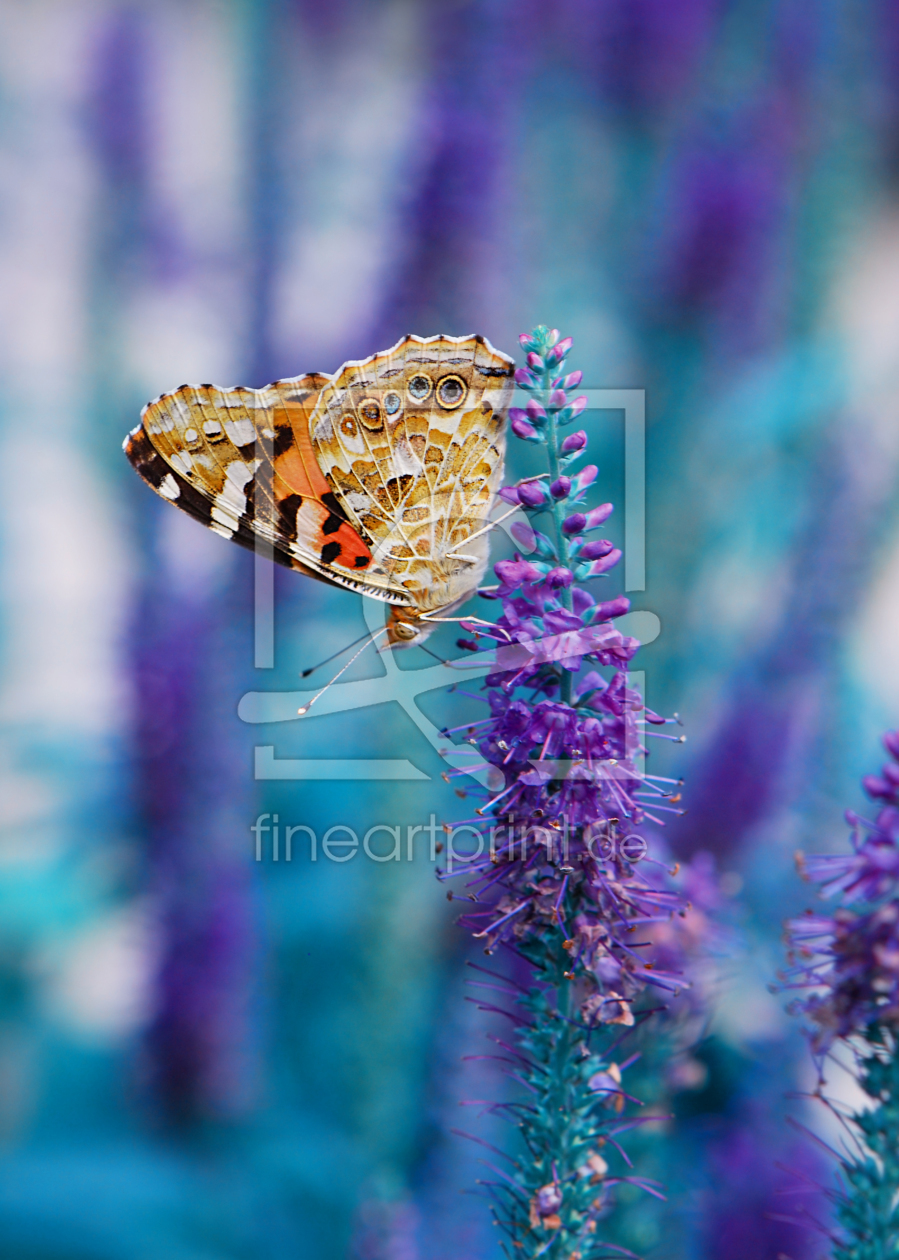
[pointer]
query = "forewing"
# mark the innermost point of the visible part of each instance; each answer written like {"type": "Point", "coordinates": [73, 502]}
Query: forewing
{"type": "Point", "coordinates": [412, 442]}
{"type": "Point", "coordinates": [241, 461]}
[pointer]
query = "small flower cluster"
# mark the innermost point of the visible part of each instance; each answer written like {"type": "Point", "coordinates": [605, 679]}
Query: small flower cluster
{"type": "Point", "coordinates": [850, 958]}
{"type": "Point", "coordinates": [563, 884]}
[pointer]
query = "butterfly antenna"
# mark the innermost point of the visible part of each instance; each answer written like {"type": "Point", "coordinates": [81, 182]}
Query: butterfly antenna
{"type": "Point", "coordinates": [312, 668]}
{"type": "Point", "coordinates": [368, 639]}
{"type": "Point", "coordinates": [434, 654]}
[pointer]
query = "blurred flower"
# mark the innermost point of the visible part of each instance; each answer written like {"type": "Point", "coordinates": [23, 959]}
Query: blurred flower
{"type": "Point", "coordinates": [850, 958]}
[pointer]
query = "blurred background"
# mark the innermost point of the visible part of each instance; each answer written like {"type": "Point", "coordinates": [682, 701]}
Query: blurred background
{"type": "Point", "coordinates": [207, 1058]}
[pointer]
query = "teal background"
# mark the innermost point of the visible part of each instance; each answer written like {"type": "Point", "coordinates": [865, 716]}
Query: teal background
{"type": "Point", "coordinates": [206, 1058]}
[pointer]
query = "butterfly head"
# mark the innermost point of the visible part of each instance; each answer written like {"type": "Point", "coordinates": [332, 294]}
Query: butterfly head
{"type": "Point", "coordinates": [406, 628]}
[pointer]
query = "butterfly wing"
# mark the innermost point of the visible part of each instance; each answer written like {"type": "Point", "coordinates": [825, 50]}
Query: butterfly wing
{"type": "Point", "coordinates": [241, 461]}
{"type": "Point", "coordinates": [412, 441]}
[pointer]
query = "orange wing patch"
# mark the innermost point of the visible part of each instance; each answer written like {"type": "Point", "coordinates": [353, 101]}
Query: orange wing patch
{"type": "Point", "coordinates": [301, 492]}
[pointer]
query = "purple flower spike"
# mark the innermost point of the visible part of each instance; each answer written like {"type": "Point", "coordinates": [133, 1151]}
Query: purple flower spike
{"type": "Point", "coordinates": [559, 577]}
{"type": "Point", "coordinates": [522, 429]}
{"type": "Point", "coordinates": [574, 442]}
{"type": "Point", "coordinates": [531, 494]}
{"type": "Point", "coordinates": [555, 725]}
{"type": "Point", "coordinates": [572, 380]}
{"type": "Point", "coordinates": [596, 550]}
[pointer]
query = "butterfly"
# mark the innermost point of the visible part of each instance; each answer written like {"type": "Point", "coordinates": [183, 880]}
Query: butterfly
{"type": "Point", "coordinates": [379, 478]}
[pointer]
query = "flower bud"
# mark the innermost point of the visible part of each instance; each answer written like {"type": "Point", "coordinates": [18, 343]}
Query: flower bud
{"type": "Point", "coordinates": [531, 494]}
{"type": "Point", "coordinates": [524, 378]}
{"type": "Point", "coordinates": [574, 524]}
{"type": "Point", "coordinates": [596, 550]}
{"type": "Point", "coordinates": [557, 399]}
{"type": "Point", "coordinates": [535, 361]}
{"type": "Point", "coordinates": [572, 380]}
{"type": "Point", "coordinates": [597, 515]}
{"type": "Point", "coordinates": [574, 442]}
{"type": "Point", "coordinates": [535, 412]}
{"type": "Point", "coordinates": [559, 351]}
{"type": "Point", "coordinates": [578, 406]}
{"type": "Point", "coordinates": [522, 429]}
{"type": "Point", "coordinates": [560, 488]}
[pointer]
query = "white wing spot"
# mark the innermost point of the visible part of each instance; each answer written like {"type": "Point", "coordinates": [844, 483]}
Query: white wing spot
{"type": "Point", "coordinates": [224, 530]}
{"type": "Point", "coordinates": [241, 432]}
{"type": "Point", "coordinates": [181, 463]}
{"type": "Point", "coordinates": [168, 487]}
{"type": "Point", "coordinates": [225, 517]}
{"type": "Point", "coordinates": [190, 435]}
{"type": "Point", "coordinates": [212, 428]}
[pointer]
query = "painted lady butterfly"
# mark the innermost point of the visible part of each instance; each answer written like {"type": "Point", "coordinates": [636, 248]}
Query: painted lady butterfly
{"type": "Point", "coordinates": [379, 478]}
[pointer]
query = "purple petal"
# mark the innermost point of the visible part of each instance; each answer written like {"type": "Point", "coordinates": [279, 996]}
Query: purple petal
{"type": "Point", "coordinates": [557, 398]}
{"type": "Point", "coordinates": [535, 361]}
{"type": "Point", "coordinates": [891, 743]}
{"type": "Point", "coordinates": [522, 429]}
{"type": "Point", "coordinates": [607, 562]}
{"type": "Point", "coordinates": [577, 406]}
{"type": "Point", "coordinates": [597, 515]}
{"type": "Point", "coordinates": [612, 608]}
{"type": "Point", "coordinates": [560, 488]}
{"type": "Point", "coordinates": [572, 380]}
{"type": "Point", "coordinates": [877, 787]}
{"type": "Point", "coordinates": [535, 411]}
{"type": "Point", "coordinates": [522, 533]}
{"type": "Point", "coordinates": [596, 550]}
{"type": "Point", "coordinates": [559, 577]}
{"type": "Point", "coordinates": [509, 494]}
{"type": "Point", "coordinates": [524, 377]}
{"type": "Point", "coordinates": [584, 478]}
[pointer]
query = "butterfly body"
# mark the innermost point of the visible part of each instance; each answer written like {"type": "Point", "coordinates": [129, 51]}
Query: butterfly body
{"type": "Point", "coordinates": [379, 478]}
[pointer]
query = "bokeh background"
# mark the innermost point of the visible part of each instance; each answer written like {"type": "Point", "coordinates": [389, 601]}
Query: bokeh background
{"type": "Point", "coordinates": [207, 1058]}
